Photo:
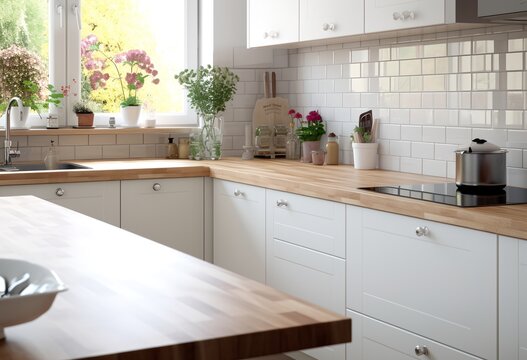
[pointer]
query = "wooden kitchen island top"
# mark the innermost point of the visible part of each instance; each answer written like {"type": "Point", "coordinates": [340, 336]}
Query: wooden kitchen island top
{"type": "Point", "coordinates": [131, 298]}
{"type": "Point", "coordinates": [337, 183]}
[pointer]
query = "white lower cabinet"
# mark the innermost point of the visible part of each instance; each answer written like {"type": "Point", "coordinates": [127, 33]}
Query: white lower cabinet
{"type": "Point", "coordinates": [305, 254]}
{"type": "Point", "coordinates": [375, 340]}
{"type": "Point", "coordinates": [99, 200]}
{"type": "Point", "coordinates": [431, 279]}
{"type": "Point", "coordinates": [168, 211]}
{"type": "Point", "coordinates": [239, 228]}
{"type": "Point", "coordinates": [513, 298]}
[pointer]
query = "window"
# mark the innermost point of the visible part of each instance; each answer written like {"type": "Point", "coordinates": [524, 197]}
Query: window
{"type": "Point", "coordinates": [165, 29]}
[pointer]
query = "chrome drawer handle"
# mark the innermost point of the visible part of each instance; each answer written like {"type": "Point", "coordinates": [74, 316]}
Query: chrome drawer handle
{"type": "Point", "coordinates": [328, 27]}
{"type": "Point", "coordinates": [238, 193]}
{"type": "Point", "coordinates": [421, 350]}
{"type": "Point", "coordinates": [422, 231]}
{"type": "Point", "coordinates": [271, 34]}
{"type": "Point", "coordinates": [59, 192]}
{"type": "Point", "coordinates": [281, 203]}
{"type": "Point", "coordinates": [156, 187]}
{"type": "Point", "coordinates": [405, 15]}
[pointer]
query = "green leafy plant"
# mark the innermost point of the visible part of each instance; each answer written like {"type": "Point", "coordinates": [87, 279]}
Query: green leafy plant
{"type": "Point", "coordinates": [209, 88]}
{"type": "Point", "coordinates": [312, 129]}
{"type": "Point", "coordinates": [361, 135]}
{"type": "Point", "coordinates": [83, 107]}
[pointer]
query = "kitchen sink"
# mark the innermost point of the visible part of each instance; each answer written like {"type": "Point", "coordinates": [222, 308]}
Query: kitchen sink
{"type": "Point", "coordinates": [42, 167]}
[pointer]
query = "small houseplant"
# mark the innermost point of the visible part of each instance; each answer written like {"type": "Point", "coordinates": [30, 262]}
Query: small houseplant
{"type": "Point", "coordinates": [310, 132]}
{"type": "Point", "coordinates": [131, 68]}
{"type": "Point", "coordinates": [364, 147]}
{"type": "Point", "coordinates": [209, 89]}
{"type": "Point", "coordinates": [84, 112]}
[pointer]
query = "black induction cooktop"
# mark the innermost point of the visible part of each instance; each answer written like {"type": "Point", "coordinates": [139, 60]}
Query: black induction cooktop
{"type": "Point", "coordinates": [449, 194]}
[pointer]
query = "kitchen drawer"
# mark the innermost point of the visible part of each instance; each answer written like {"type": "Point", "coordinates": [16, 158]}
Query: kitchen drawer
{"type": "Point", "coordinates": [99, 200]}
{"type": "Point", "coordinates": [382, 15]}
{"type": "Point", "coordinates": [312, 223]}
{"type": "Point", "coordinates": [311, 276]}
{"type": "Point", "coordinates": [239, 228]}
{"type": "Point", "coordinates": [442, 285]}
{"type": "Point", "coordinates": [375, 340]}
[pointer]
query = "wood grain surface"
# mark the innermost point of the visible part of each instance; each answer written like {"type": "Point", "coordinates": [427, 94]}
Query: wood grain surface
{"type": "Point", "coordinates": [131, 298]}
{"type": "Point", "coordinates": [339, 183]}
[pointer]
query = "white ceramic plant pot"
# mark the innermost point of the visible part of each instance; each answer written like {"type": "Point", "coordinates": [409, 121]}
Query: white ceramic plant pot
{"type": "Point", "coordinates": [365, 155]}
{"type": "Point", "coordinates": [16, 121]}
{"type": "Point", "coordinates": [130, 116]}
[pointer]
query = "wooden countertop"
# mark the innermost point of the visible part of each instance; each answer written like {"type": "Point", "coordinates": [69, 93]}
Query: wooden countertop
{"type": "Point", "coordinates": [337, 183]}
{"type": "Point", "coordinates": [131, 298]}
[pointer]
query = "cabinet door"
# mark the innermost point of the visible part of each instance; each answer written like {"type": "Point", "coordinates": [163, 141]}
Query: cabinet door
{"type": "Point", "coordinates": [99, 200]}
{"type": "Point", "coordinates": [168, 211]}
{"type": "Point", "coordinates": [239, 228]}
{"type": "Point", "coordinates": [321, 19]}
{"type": "Point", "coordinates": [441, 285]}
{"type": "Point", "coordinates": [311, 276]}
{"type": "Point", "coordinates": [272, 22]}
{"type": "Point", "coordinates": [382, 15]}
{"type": "Point", "coordinates": [312, 223]}
{"type": "Point", "coordinates": [513, 298]}
{"type": "Point", "coordinates": [374, 340]}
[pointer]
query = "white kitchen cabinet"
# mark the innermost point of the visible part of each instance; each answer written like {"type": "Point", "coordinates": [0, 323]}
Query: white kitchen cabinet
{"type": "Point", "coordinates": [305, 251]}
{"type": "Point", "coordinates": [308, 222]}
{"type": "Point", "coordinates": [374, 340]}
{"type": "Point", "coordinates": [322, 19]}
{"type": "Point", "coordinates": [99, 200]}
{"type": "Point", "coordinates": [168, 211]}
{"type": "Point", "coordinates": [239, 228]}
{"type": "Point", "coordinates": [512, 298]}
{"type": "Point", "coordinates": [383, 15]}
{"type": "Point", "coordinates": [432, 279]}
{"type": "Point", "coordinates": [272, 22]}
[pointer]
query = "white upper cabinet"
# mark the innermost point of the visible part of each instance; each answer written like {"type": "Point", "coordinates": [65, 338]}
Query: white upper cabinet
{"type": "Point", "coordinates": [322, 19]}
{"type": "Point", "coordinates": [382, 15]}
{"type": "Point", "coordinates": [272, 22]}
{"type": "Point", "coordinates": [513, 298]}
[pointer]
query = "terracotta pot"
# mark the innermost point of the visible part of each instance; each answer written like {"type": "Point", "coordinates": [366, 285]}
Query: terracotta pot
{"type": "Point", "coordinates": [85, 119]}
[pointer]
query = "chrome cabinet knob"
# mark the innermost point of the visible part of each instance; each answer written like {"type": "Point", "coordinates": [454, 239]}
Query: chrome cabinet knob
{"type": "Point", "coordinates": [59, 192]}
{"type": "Point", "coordinates": [238, 193]}
{"type": "Point", "coordinates": [271, 34]}
{"type": "Point", "coordinates": [422, 231]}
{"type": "Point", "coordinates": [281, 203]}
{"type": "Point", "coordinates": [328, 27]}
{"type": "Point", "coordinates": [421, 350]}
{"type": "Point", "coordinates": [156, 187]}
{"type": "Point", "coordinates": [405, 15]}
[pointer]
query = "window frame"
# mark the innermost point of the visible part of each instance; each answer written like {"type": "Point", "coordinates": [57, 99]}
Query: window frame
{"type": "Point", "coordinates": [65, 62]}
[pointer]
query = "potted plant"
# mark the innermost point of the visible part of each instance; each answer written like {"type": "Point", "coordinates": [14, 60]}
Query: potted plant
{"type": "Point", "coordinates": [22, 74]}
{"type": "Point", "coordinates": [132, 69]}
{"type": "Point", "coordinates": [364, 147]}
{"type": "Point", "coordinates": [310, 132]}
{"type": "Point", "coordinates": [84, 112]}
{"type": "Point", "coordinates": [209, 89]}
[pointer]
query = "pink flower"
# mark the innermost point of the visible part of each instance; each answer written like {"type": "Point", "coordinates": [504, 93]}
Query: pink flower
{"type": "Point", "coordinates": [298, 116]}
{"type": "Point", "coordinates": [292, 112]}
{"type": "Point", "coordinates": [155, 81]}
{"type": "Point", "coordinates": [314, 116]}
{"type": "Point", "coordinates": [131, 78]}
{"type": "Point", "coordinates": [154, 72]}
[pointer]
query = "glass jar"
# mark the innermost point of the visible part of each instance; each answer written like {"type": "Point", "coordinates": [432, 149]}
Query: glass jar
{"type": "Point", "coordinates": [263, 137]}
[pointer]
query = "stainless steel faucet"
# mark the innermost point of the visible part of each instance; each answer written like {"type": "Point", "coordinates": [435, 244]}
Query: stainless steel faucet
{"type": "Point", "coordinates": [8, 152]}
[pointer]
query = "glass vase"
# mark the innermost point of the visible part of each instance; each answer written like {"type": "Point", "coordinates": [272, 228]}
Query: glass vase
{"type": "Point", "coordinates": [211, 137]}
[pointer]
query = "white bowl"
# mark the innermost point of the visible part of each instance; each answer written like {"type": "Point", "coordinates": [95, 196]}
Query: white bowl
{"type": "Point", "coordinates": [33, 301]}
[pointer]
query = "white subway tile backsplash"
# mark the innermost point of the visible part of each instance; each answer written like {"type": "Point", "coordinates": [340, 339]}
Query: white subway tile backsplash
{"type": "Point", "coordinates": [390, 131]}
{"type": "Point", "coordinates": [102, 139]}
{"type": "Point", "coordinates": [65, 140]}
{"type": "Point", "coordinates": [411, 165]}
{"type": "Point", "coordinates": [422, 150]}
{"type": "Point", "coordinates": [445, 152]}
{"type": "Point", "coordinates": [434, 167]}
{"type": "Point", "coordinates": [41, 140]}
{"type": "Point", "coordinates": [515, 158]}
{"type": "Point", "coordinates": [434, 134]}
{"type": "Point", "coordinates": [461, 136]}
{"type": "Point", "coordinates": [334, 71]}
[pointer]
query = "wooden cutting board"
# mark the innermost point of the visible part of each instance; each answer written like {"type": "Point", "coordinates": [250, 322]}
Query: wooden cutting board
{"type": "Point", "coordinates": [270, 110]}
